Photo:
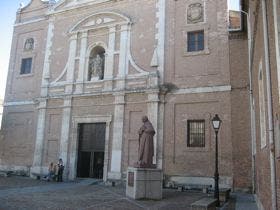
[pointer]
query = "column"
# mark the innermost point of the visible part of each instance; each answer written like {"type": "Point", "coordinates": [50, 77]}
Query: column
{"type": "Point", "coordinates": [153, 115]}
{"type": "Point", "coordinates": [46, 67]}
{"type": "Point", "coordinates": [161, 5]}
{"type": "Point", "coordinates": [64, 136]}
{"type": "Point", "coordinates": [108, 74]}
{"type": "Point", "coordinates": [123, 59]}
{"type": "Point", "coordinates": [82, 60]}
{"type": "Point", "coordinates": [39, 144]}
{"type": "Point", "coordinates": [71, 64]}
{"type": "Point", "coordinates": [109, 65]}
{"type": "Point", "coordinates": [116, 160]}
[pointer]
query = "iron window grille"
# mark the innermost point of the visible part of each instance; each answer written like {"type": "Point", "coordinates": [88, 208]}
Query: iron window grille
{"type": "Point", "coordinates": [196, 133]}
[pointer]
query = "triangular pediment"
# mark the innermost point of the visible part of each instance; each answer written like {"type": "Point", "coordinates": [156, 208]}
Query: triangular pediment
{"type": "Point", "coordinates": [99, 20]}
{"type": "Point", "coordinates": [34, 4]}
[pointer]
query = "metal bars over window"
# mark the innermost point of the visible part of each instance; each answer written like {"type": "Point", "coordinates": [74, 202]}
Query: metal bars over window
{"type": "Point", "coordinates": [196, 133]}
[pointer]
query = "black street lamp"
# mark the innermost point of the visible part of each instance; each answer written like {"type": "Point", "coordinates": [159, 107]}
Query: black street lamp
{"type": "Point", "coordinates": [216, 122]}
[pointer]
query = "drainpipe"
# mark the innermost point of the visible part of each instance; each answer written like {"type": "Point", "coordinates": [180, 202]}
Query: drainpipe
{"type": "Point", "coordinates": [269, 106]}
{"type": "Point", "coordinates": [252, 112]}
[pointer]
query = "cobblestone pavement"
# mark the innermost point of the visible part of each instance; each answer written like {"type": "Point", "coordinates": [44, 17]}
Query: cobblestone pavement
{"type": "Point", "coordinates": [25, 193]}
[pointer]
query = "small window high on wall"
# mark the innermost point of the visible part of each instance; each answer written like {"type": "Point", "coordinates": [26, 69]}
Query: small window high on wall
{"type": "Point", "coordinates": [26, 64]}
{"type": "Point", "coordinates": [234, 15]}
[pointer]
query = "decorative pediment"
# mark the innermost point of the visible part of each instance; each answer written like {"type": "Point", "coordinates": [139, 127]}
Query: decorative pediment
{"type": "Point", "coordinates": [99, 20]}
{"type": "Point", "coordinates": [33, 4]}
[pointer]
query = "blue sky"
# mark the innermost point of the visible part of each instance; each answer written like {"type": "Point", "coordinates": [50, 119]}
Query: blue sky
{"type": "Point", "coordinates": [8, 10]}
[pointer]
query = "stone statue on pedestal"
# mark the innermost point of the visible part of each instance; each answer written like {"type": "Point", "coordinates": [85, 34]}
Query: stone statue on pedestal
{"type": "Point", "coordinates": [146, 145]}
{"type": "Point", "coordinates": [96, 67]}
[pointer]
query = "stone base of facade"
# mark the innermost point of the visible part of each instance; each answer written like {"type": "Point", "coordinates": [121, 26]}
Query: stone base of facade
{"type": "Point", "coordinates": [144, 183]}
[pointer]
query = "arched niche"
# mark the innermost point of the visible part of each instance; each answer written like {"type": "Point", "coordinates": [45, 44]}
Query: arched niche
{"type": "Point", "coordinates": [96, 63]}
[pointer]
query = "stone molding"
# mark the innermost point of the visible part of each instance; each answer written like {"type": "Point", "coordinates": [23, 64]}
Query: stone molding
{"type": "Point", "coordinates": [73, 147]}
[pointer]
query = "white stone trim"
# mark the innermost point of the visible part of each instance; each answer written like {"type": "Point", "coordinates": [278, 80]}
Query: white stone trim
{"type": "Point", "coordinates": [276, 16]}
{"type": "Point", "coordinates": [71, 63]}
{"type": "Point", "coordinates": [153, 115]}
{"type": "Point", "coordinates": [161, 5]}
{"type": "Point", "coordinates": [40, 134]}
{"type": "Point", "coordinates": [30, 22]}
{"type": "Point", "coordinates": [129, 56]}
{"type": "Point", "coordinates": [73, 153]}
{"type": "Point", "coordinates": [125, 20]}
{"type": "Point", "coordinates": [75, 5]}
{"type": "Point", "coordinates": [123, 60]}
{"type": "Point", "coordinates": [116, 159]}
{"type": "Point", "coordinates": [65, 128]}
{"type": "Point", "coordinates": [83, 50]}
{"type": "Point", "coordinates": [46, 68]}
{"type": "Point", "coordinates": [108, 73]}
{"type": "Point", "coordinates": [18, 103]}
{"type": "Point", "coordinates": [212, 89]}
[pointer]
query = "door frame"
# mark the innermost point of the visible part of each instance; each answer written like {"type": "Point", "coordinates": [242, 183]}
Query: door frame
{"type": "Point", "coordinates": [76, 120]}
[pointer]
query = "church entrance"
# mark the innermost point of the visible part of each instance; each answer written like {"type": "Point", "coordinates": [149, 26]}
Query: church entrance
{"type": "Point", "coordinates": [91, 150]}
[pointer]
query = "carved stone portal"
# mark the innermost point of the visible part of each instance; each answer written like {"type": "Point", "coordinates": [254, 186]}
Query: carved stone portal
{"type": "Point", "coordinates": [195, 13]}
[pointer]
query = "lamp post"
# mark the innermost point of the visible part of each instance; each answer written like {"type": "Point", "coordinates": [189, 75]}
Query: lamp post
{"type": "Point", "coordinates": [216, 122]}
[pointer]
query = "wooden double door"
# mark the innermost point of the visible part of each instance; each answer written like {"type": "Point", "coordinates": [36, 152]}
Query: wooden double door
{"type": "Point", "coordinates": [91, 150]}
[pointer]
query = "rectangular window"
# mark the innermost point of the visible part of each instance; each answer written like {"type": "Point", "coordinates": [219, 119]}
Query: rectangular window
{"type": "Point", "coordinates": [234, 15]}
{"type": "Point", "coordinates": [196, 133]}
{"type": "Point", "coordinates": [26, 64]}
{"type": "Point", "coordinates": [195, 41]}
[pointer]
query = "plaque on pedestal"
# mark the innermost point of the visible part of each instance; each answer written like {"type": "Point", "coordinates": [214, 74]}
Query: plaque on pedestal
{"type": "Point", "coordinates": [144, 183]}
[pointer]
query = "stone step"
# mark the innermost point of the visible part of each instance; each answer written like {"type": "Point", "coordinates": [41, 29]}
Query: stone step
{"type": "Point", "coordinates": [204, 204]}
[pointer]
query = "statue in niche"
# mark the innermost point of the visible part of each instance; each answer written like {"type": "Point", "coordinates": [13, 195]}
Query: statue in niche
{"type": "Point", "coordinates": [146, 145]}
{"type": "Point", "coordinates": [96, 67]}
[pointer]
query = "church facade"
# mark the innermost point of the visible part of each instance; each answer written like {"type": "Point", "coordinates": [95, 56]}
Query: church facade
{"type": "Point", "coordinates": [83, 73]}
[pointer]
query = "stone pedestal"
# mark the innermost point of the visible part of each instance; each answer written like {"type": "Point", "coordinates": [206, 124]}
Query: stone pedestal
{"type": "Point", "coordinates": [144, 183]}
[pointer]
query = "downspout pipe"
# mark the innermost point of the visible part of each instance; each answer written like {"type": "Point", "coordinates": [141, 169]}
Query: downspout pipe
{"type": "Point", "coordinates": [269, 107]}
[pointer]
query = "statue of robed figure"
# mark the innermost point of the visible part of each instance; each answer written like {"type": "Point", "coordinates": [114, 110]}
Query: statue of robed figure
{"type": "Point", "coordinates": [146, 145]}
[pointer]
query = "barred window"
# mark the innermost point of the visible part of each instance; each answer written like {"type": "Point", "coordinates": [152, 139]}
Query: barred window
{"type": "Point", "coordinates": [26, 65]}
{"type": "Point", "coordinates": [196, 133]}
{"type": "Point", "coordinates": [195, 41]}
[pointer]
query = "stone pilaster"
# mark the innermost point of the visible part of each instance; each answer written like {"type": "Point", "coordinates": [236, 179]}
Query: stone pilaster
{"type": "Point", "coordinates": [118, 123]}
{"type": "Point", "coordinates": [71, 64]}
{"type": "Point", "coordinates": [123, 60]}
{"type": "Point", "coordinates": [109, 65]}
{"type": "Point", "coordinates": [65, 128]}
{"type": "Point", "coordinates": [39, 144]}
{"type": "Point", "coordinates": [46, 68]}
{"type": "Point", "coordinates": [153, 115]}
{"type": "Point", "coordinates": [82, 62]}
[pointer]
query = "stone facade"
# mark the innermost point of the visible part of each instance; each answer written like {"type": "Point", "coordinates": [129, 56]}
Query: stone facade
{"type": "Point", "coordinates": [148, 70]}
{"type": "Point", "coordinates": [264, 21]}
